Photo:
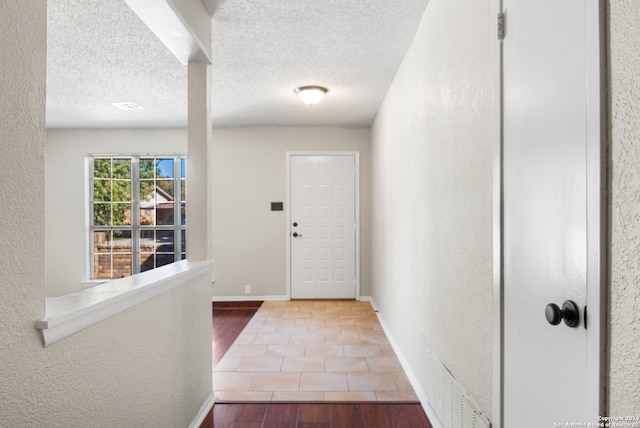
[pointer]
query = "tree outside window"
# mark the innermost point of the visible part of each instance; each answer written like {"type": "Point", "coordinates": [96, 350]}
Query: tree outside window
{"type": "Point", "coordinates": [134, 205]}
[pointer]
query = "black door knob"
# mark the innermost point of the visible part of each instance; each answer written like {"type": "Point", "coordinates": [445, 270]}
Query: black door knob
{"type": "Point", "coordinates": [553, 313]}
{"type": "Point", "coordinates": [295, 234]}
{"type": "Point", "coordinates": [295, 224]}
{"type": "Point", "coordinates": [569, 312]}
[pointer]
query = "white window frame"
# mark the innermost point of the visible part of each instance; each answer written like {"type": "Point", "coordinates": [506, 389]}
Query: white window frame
{"type": "Point", "coordinates": [135, 227]}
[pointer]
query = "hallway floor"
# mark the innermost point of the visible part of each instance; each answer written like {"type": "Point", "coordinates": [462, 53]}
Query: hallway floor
{"type": "Point", "coordinates": [312, 351]}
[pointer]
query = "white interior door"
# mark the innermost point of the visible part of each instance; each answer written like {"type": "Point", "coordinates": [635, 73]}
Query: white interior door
{"type": "Point", "coordinates": [545, 215]}
{"type": "Point", "coordinates": [323, 226]}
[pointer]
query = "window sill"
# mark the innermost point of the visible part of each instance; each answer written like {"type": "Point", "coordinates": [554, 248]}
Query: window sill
{"type": "Point", "coordinates": [74, 312]}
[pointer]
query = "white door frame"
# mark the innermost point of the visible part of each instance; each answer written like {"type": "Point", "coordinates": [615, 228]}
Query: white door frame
{"type": "Point", "coordinates": [356, 156]}
{"type": "Point", "coordinates": [596, 218]}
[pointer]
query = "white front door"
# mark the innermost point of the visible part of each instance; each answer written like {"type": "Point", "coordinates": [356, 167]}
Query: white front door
{"type": "Point", "coordinates": [546, 228]}
{"type": "Point", "coordinates": [322, 229]}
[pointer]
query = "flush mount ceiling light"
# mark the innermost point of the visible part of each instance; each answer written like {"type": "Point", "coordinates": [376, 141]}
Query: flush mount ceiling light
{"type": "Point", "coordinates": [310, 94]}
{"type": "Point", "coordinates": [127, 106]}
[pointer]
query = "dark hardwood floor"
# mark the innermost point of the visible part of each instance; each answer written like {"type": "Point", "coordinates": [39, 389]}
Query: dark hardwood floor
{"type": "Point", "coordinates": [320, 415]}
{"type": "Point", "coordinates": [229, 319]}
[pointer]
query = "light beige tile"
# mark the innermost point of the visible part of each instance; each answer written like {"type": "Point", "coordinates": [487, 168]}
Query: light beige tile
{"type": "Point", "coordinates": [259, 364]}
{"type": "Point", "coordinates": [363, 351]}
{"type": "Point", "coordinates": [324, 351]}
{"type": "Point", "coordinates": [402, 382]}
{"type": "Point", "coordinates": [353, 314]}
{"type": "Point", "coordinates": [227, 364]}
{"type": "Point", "coordinates": [271, 339]}
{"type": "Point", "coordinates": [244, 338]}
{"type": "Point", "coordinates": [356, 329]}
{"type": "Point", "coordinates": [259, 329]}
{"type": "Point", "coordinates": [272, 316]}
{"type": "Point", "coordinates": [339, 321]}
{"type": "Point", "coordinates": [369, 323]}
{"type": "Point", "coordinates": [350, 396]}
{"type": "Point", "coordinates": [324, 382]}
{"type": "Point", "coordinates": [285, 351]}
{"type": "Point", "coordinates": [350, 303]}
{"type": "Point", "coordinates": [371, 382]}
{"type": "Point", "coordinates": [388, 351]}
{"type": "Point", "coordinates": [245, 396]}
{"type": "Point", "coordinates": [297, 314]}
{"type": "Point", "coordinates": [324, 303]}
{"type": "Point", "coordinates": [378, 339]}
{"type": "Point", "coordinates": [342, 339]}
{"type": "Point", "coordinates": [269, 304]}
{"type": "Point", "coordinates": [325, 314]}
{"type": "Point", "coordinates": [324, 330]}
{"type": "Point", "coordinates": [231, 381]}
{"type": "Point", "coordinates": [307, 339]}
{"type": "Point", "coordinates": [241, 350]}
{"type": "Point", "coordinates": [377, 328]}
{"type": "Point", "coordinates": [340, 353]}
{"type": "Point", "coordinates": [396, 396]}
{"type": "Point", "coordinates": [303, 365]}
{"type": "Point", "coordinates": [309, 321]}
{"type": "Point", "coordinates": [298, 396]}
{"type": "Point", "coordinates": [327, 308]}
{"type": "Point", "coordinates": [280, 322]}
{"type": "Point", "coordinates": [346, 364]}
{"type": "Point", "coordinates": [275, 382]}
{"type": "Point", "coordinates": [384, 364]}
{"type": "Point", "coordinates": [292, 330]}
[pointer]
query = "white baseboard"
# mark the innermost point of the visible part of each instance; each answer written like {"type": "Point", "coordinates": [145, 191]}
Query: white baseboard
{"type": "Point", "coordinates": [247, 298]}
{"type": "Point", "coordinates": [204, 411]}
{"type": "Point", "coordinates": [370, 300]}
{"type": "Point", "coordinates": [413, 379]}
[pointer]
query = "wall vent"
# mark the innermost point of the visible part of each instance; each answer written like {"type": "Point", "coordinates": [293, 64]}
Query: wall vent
{"type": "Point", "coordinates": [453, 405]}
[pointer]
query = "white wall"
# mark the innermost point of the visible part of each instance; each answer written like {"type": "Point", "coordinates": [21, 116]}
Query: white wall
{"type": "Point", "coordinates": [149, 366]}
{"type": "Point", "coordinates": [624, 65]}
{"type": "Point", "coordinates": [432, 206]}
{"type": "Point", "coordinates": [66, 204]}
{"type": "Point", "coordinates": [248, 174]}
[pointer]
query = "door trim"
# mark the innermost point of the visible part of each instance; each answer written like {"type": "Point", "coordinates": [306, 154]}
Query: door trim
{"type": "Point", "coordinates": [289, 155]}
{"type": "Point", "coordinates": [597, 218]}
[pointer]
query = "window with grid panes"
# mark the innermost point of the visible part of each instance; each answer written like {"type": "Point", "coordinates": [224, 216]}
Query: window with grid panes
{"type": "Point", "coordinates": [138, 213]}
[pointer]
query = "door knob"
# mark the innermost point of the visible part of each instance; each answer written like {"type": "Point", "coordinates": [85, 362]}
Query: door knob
{"type": "Point", "coordinates": [296, 234]}
{"type": "Point", "coordinates": [569, 312]}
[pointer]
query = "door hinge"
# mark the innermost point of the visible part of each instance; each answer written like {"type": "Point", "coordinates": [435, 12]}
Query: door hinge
{"type": "Point", "coordinates": [501, 26]}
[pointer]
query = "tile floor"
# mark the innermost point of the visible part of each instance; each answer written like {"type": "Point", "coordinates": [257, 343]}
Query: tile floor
{"type": "Point", "coordinates": [312, 351]}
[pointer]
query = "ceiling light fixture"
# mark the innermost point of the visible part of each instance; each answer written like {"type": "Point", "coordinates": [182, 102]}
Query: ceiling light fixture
{"type": "Point", "coordinates": [127, 106]}
{"type": "Point", "coordinates": [310, 94]}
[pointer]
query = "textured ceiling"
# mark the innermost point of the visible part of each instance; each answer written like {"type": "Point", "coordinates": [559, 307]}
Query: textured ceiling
{"type": "Point", "coordinates": [99, 52]}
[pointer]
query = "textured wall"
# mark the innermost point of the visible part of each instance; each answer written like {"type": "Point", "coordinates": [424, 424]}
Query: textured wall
{"type": "Point", "coordinates": [432, 165]}
{"type": "Point", "coordinates": [149, 366]}
{"type": "Point", "coordinates": [249, 173]}
{"type": "Point", "coordinates": [625, 207]}
{"type": "Point", "coordinates": [66, 248]}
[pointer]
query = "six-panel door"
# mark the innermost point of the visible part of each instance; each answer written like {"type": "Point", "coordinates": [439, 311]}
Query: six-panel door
{"type": "Point", "coordinates": [323, 226]}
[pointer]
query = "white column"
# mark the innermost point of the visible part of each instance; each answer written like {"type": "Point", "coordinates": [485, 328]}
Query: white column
{"type": "Point", "coordinates": [199, 163]}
